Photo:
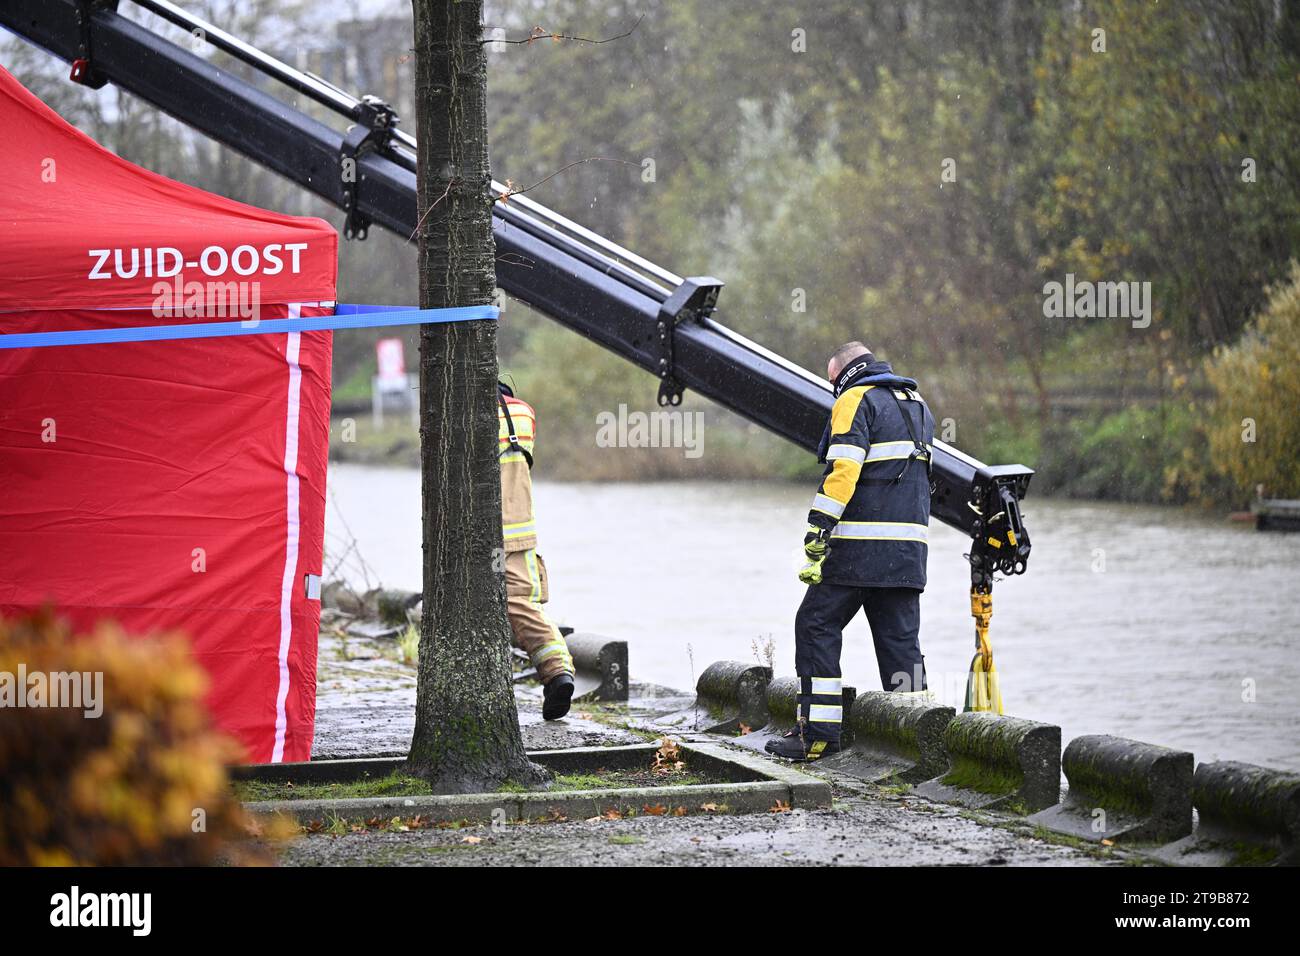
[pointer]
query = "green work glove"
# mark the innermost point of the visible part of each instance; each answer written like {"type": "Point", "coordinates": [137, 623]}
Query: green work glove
{"type": "Point", "coordinates": [811, 573]}
{"type": "Point", "coordinates": [816, 548]}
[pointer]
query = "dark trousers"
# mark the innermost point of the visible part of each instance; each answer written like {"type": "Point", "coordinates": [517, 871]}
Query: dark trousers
{"type": "Point", "coordinates": [894, 615]}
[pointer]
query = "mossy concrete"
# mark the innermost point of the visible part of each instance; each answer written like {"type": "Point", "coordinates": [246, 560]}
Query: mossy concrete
{"type": "Point", "coordinates": [1247, 816]}
{"type": "Point", "coordinates": [998, 762]}
{"type": "Point", "coordinates": [1122, 789]}
{"type": "Point", "coordinates": [895, 737]}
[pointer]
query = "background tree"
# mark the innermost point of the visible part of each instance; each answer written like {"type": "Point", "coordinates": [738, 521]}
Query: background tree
{"type": "Point", "coordinates": [466, 723]}
{"type": "Point", "coordinates": [801, 161]}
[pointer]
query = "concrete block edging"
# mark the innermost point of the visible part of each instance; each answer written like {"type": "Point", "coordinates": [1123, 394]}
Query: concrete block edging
{"type": "Point", "coordinates": [731, 693]}
{"type": "Point", "coordinates": [1121, 789]}
{"type": "Point", "coordinates": [998, 762]}
{"type": "Point", "coordinates": [600, 664]}
{"type": "Point", "coordinates": [1247, 815]}
{"type": "Point", "coordinates": [751, 785]}
{"type": "Point", "coordinates": [895, 737]}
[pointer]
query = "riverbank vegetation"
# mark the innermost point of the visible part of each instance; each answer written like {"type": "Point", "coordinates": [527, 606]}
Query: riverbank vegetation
{"type": "Point", "coordinates": [913, 173]}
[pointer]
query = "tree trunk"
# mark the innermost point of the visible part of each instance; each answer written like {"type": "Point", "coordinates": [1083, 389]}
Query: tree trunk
{"type": "Point", "coordinates": [466, 723]}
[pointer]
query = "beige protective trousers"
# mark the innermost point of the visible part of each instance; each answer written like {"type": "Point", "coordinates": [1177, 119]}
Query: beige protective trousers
{"type": "Point", "coordinates": [534, 632]}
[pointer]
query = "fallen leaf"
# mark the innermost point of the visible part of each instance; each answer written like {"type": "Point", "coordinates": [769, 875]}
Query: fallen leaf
{"type": "Point", "coordinates": [745, 729]}
{"type": "Point", "coordinates": [780, 807]}
{"type": "Point", "coordinates": [709, 807]}
{"type": "Point", "coordinates": [612, 814]}
{"type": "Point", "coordinates": [679, 811]}
{"type": "Point", "coordinates": [667, 757]}
{"type": "Point", "coordinates": [658, 810]}
{"type": "Point", "coordinates": [473, 840]}
{"type": "Point", "coordinates": [1107, 842]}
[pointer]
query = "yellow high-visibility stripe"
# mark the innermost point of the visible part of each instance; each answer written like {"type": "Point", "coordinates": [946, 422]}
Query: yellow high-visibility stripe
{"type": "Point", "coordinates": [881, 531]}
{"type": "Point", "coordinates": [555, 647]}
{"type": "Point", "coordinates": [518, 413]}
{"type": "Point", "coordinates": [548, 650]}
{"type": "Point", "coordinates": [893, 450]}
{"type": "Point", "coordinates": [851, 452]}
{"type": "Point", "coordinates": [828, 505]}
{"type": "Point", "coordinates": [825, 714]}
{"type": "Point", "coordinates": [534, 577]}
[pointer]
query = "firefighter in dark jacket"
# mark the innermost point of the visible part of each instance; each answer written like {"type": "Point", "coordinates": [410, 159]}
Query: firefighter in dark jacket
{"type": "Point", "coordinates": [865, 543]}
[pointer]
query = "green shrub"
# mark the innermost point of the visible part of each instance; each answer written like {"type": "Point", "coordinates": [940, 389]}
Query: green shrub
{"type": "Point", "coordinates": [1257, 396]}
{"type": "Point", "coordinates": [1137, 454]}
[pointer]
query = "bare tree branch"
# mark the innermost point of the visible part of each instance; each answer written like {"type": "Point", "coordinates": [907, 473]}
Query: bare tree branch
{"type": "Point", "coordinates": [420, 223]}
{"type": "Point", "coordinates": [540, 33]}
{"type": "Point", "coordinates": [515, 259]}
{"type": "Point", "coordinates": [512, 191]}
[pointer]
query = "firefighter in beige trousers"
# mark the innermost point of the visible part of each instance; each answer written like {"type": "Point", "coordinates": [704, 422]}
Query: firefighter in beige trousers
{"type": "Point", "coordinates": [526, 589]}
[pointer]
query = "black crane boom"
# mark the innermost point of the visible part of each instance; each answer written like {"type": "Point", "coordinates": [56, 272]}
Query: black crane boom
{"type": "Point", "coordinates": [653, 318]}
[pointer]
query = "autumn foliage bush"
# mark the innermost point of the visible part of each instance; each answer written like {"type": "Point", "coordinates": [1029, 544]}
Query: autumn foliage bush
{"type": "Point", "coordinates": [1255, 424]}
{"type": "Point", "coordinates": [144, 783]}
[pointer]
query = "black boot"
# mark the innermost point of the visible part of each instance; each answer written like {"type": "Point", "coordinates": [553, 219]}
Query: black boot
{"type": "Point", "coordinates": [800, 748]}
{"type": "Point", "coordinates": [557, 693]}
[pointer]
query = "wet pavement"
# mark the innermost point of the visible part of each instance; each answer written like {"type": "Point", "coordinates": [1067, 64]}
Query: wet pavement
{"type": "Point", "coordinates": [365, 703]}
{"type": "Point", "coordinates": [365, 707]}
{"type": "Point", "coordinates": [861, 830]}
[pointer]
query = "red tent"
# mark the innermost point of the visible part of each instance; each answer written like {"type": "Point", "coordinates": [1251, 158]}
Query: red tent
{"type": "Point", "coordinates": [167, 485]}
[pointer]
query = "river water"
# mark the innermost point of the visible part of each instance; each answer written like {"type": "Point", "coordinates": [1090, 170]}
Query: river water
{"type": "Point", "coordinates": [1138, 621]}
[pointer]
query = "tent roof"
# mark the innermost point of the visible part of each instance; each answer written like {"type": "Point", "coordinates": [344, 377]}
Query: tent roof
{"type": "Point", "coordinates": [84, 228]}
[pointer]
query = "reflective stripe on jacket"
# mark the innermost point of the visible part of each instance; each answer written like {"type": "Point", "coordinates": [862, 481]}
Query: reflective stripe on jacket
{"type": "Point", "coordinates": [518, 525]}
{"type": "Point", "coordinates": [875, 494]}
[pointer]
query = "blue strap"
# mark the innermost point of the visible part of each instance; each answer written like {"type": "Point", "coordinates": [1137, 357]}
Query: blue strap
{"type": "Point", "coordinates": [344, 317]}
